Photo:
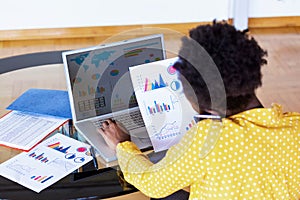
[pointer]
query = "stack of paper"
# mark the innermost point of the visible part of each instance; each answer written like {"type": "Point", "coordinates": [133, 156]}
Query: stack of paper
{"type": "Point", "coordinates": [23, 131]}
{"type": "Point", "coordinates": [35, 114]}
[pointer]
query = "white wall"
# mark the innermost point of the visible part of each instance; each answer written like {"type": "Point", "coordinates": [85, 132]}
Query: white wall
{"type": "Point", "coordinates": [274, 8]}
{"type": "Point", "coordinates": [27, 14]}
{"type": "Point", "coordinates": [269, 8]}
{"type": "Point", "coordinates": [241, 10]}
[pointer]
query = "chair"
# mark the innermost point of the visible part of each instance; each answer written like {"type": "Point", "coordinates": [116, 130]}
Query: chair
{"type": "Point", "coordinates": [30, 60]}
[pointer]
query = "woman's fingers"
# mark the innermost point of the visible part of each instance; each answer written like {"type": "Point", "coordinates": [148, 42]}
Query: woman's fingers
{"type": "Point", "coordinates": [101, 131]}
{"type": "Point", "coordinates": [113, 133]}
{"type": "Point", "coordinates": [110, 121]}
{"type": "Point", "coordinates": [107, 123]}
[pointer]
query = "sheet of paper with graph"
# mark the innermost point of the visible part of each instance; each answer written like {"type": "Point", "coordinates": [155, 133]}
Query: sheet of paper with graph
{"type": "Point", "coordinates": [165, 110]}
{"type": "Point", "coordinates": [48, 162]}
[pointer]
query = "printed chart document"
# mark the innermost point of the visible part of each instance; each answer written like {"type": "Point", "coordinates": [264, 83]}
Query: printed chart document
{"type": "Point", "coordinates": [23, 130]}
{"type": "Point", "coordinates": [165, 110]}
{"type": "Point", "coordinates": [47, 163]}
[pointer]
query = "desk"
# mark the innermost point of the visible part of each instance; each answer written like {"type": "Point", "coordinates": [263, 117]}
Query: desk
{"type": "Point", "coordinates": [16, 77]}
{"type": "Point", "coordinates": [104, 183]}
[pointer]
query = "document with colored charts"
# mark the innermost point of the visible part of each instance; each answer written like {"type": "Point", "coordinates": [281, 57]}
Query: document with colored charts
{"type": "Point", "coordinates": [47, 163]}
{"type": "Point", "coordinates": [165, 110]}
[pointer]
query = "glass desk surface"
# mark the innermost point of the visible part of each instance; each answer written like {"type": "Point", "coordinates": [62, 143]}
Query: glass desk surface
{"type": "Point", "coordinates": [90, 183]}
{"type": "Point", "coordinates": [45, 70]}
{"type": "Point", "coordinates": [87, 182]}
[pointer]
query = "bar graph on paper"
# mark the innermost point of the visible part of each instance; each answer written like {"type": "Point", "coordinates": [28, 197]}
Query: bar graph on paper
{"type": "Point", "coordinates": [158, 108]}
{"type": "Point", "coordinates": [40, 157]}
{"type": "Point", "coordinates": [159, 105]}
{"type": "Point", "coordinates": [156, 84]}
{"type": "Point", "coordinates": [57, 146]}
{"type": "Point", "coordinates": [41, 179]}
{"type": "Point", "coordinates": [166, 111]}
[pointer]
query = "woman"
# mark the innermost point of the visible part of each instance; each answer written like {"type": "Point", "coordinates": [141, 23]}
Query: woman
{"type": "Point", "coordinates": [250, 153]}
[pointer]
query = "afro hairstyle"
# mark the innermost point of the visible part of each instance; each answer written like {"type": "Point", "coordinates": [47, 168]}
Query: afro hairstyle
{"type": "Point", "coordinates": [238, 59]}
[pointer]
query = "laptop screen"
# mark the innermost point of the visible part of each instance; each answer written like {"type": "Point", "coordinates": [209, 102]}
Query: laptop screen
{"type": "Point", "coordinates": [98, 77]}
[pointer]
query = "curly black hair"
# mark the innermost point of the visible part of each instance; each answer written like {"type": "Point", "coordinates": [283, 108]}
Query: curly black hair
{"type": "Point", "coordinates": [238, 59]}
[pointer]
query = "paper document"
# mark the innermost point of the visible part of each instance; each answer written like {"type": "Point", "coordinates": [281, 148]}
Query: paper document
{"type": "Point", "coordinates": [47, 163]}
{"type": "Point", "coordinates": [166, 111]}
{"type": "Point", "coordinates": [23, 130]}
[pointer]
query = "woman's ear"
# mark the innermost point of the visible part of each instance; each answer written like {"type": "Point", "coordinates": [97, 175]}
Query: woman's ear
{"type": "Point", "coordinates": [178, 64]}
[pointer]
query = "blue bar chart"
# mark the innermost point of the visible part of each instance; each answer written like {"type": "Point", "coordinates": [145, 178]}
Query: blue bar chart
{"type": "Point", "coordinates": [155, 84]}
{"type": "Point", "coordinates": [59, 148]}
{"type": "Point", "coordinates": [41, 179]}
{"type": "Point", "coordinates": [158, 108]}
{"type": "Point", "coordinates": [41, 157]}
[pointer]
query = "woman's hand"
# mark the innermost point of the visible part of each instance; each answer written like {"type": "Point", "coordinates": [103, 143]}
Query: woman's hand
{"type": "Point", "coordinates": [113, 133]}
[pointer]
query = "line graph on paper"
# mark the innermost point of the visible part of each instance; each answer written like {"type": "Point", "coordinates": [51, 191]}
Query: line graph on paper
{"type": "Point", "coordinates": [20, 169]}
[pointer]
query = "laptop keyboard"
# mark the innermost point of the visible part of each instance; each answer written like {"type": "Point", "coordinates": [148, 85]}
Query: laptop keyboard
{"type": "Point", "coordinates": [130, 121]}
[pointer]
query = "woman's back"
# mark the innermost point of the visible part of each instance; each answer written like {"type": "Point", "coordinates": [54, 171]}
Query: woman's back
{"type": "Point", "coordinates": [255, 155]}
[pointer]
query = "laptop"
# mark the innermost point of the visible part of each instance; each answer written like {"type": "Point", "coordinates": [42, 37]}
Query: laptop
{"type": "Point", "coordinates": [99, 87]}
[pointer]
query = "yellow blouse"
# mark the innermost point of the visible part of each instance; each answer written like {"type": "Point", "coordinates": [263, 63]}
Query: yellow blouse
{"type": "Point", "coordinates": [252, 155]}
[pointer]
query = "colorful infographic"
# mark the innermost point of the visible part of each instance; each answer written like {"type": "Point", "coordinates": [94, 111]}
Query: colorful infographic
{"type": "Point", "coordinates": [94, 74]}
{"type": "Point", "coordinates": [155, 84]}
{"type": "Point", "coordinates": [41, 179]}
{"type": "Point", "coordinates": [158, 108]}
{"type": "Point", "coordinates": [47, 163]}
{"type": "Point", "coordinates": [166, 111]}
{"type": "Point", "coordinates": [41, 157]}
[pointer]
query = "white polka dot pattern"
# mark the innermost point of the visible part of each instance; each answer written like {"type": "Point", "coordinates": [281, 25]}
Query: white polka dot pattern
{"type": "Point", "coordinates": [251, 155]}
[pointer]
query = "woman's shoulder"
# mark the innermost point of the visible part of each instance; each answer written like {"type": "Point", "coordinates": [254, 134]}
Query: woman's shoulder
{"type": "Point", "coordinates": [266, 116]}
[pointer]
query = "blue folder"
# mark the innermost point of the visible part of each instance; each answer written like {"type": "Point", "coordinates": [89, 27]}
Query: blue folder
{"type": "Point", "coordinates": [43, 101]}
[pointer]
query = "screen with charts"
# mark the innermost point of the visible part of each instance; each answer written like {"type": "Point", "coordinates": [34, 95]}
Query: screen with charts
{"type": "Point", "coordinates": [100, 77]}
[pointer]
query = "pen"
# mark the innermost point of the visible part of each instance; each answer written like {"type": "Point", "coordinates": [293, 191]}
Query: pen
{"type": "Point", "coordinates": [208, 116]}
{"type": "Point", "coordinates": [92, 151]}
